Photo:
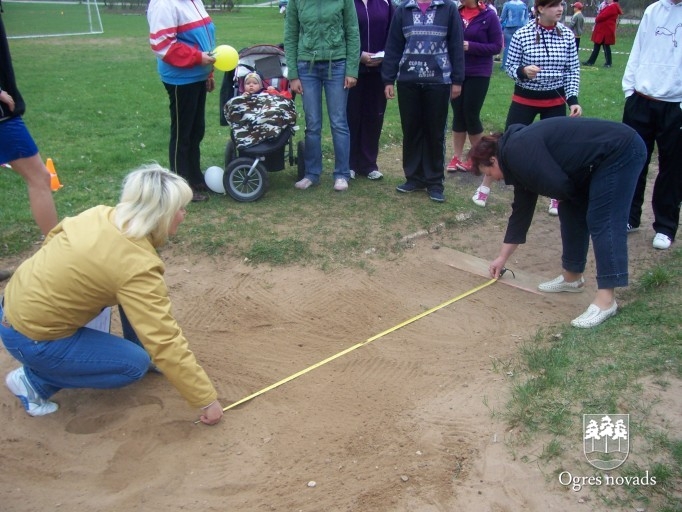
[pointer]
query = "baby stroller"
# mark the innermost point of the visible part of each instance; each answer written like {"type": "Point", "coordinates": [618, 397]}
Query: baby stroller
{"type": "Point", "coordinates": [248, 159]}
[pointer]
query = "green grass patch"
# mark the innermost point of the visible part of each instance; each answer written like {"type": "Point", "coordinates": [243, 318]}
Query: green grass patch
{"type": "Point", "coordinates": [617, 367]}
{"type": "Point", "coordinates": [96, 106]}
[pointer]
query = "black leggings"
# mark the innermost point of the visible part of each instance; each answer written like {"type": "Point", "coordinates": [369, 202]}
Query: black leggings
{"type": "Point", "coordinates": [525, 114]}
{"type": "Point", "coordinates": [466, 108]}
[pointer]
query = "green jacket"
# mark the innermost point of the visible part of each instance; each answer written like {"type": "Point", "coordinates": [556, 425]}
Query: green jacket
{"type": "Point", "coordinates": [321, 30]}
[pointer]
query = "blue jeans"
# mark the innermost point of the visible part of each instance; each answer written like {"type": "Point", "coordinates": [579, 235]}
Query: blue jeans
{"type": "Point", "coordinates": [601, 212]}
{"type": "Point", "coordinates": [508, 33]}
{"type": "Point", "coordinates": [329, 76]}
{"type": "Point", "coordinates": [86, 359]}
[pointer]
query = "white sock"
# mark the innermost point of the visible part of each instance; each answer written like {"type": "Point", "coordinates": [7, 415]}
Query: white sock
{"type": "Point", "coordinates": [484, 189]}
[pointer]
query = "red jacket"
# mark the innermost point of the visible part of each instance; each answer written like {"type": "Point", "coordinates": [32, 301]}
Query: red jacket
{"type": "Point", "coordinates": [605, 24]}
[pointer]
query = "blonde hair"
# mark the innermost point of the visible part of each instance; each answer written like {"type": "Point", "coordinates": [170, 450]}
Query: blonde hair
{"type": "Point", "coordinates": [151, 197]}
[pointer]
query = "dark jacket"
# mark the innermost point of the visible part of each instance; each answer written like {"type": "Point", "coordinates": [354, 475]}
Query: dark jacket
{"type": "Point", "coordinates": [374, 19]}
{"type": "Point", "coordinates": [427, 52]}
{"type": "Point", "coordinates": [555, 158]}
{"type": "Point", "coordinates": [7, 80]}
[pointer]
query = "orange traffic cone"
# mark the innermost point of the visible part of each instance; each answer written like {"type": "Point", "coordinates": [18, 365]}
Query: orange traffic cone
{"type": "Point", "coordinates": [54, 179]}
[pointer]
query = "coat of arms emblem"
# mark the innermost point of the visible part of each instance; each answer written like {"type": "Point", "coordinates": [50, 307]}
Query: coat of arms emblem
{"type": "Point", "coordinates": [606, 439]}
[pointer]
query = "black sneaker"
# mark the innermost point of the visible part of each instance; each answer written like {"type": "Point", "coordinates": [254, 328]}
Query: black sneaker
{"type": "Point", "coordinates": [409, 187]}
{"type": "Point", "coordinates": [436, 195]}
{"type": "Point", "coordinates": [632, 229]}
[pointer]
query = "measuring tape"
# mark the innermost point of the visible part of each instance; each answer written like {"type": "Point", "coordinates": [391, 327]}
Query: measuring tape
{"type": "Point", "coordinates": [358, 345]}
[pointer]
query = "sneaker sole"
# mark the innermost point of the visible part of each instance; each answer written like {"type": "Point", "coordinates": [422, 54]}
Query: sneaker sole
{"type": "Point", "coordinates": [402, 191]}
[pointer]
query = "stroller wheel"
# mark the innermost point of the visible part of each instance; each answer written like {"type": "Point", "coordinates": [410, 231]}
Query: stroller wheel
{"type": "Point", "coordinates": [230, 152]}
{"type": "Point", "coordinates": [245, 179]}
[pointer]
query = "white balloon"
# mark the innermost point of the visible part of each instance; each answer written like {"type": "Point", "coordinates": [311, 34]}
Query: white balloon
{"type": "Point", "coordinates": [214, 179]}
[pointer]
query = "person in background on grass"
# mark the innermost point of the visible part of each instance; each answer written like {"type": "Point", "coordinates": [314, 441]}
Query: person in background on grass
{"type": "Point", "coordinates": [652, 84]}
{"type": "Point", "coordinates": [322, 48]}
{"type": "Point", "coordinates": [604, 32]}
{"type": "Point", "coordinates": [482, 41]}
{"type": "Point", "coordinates": [594, 177]}
{"type": "Point", "coordinates": [366, 101]}
{"type": "Point", "coordinates": [17, 147]}
{"type": "Point", "coordinates": [577, 24]}
{"type": "Point", "coordinates": [425, 55]}
{"type": "Point", "coordinates": [544, 64]}
{"type": "Point", "coordinates": [99, 258]}
{"type": "Point", "coordinates": [514, 16]}
{"type": "Point", "coordinates": [182, 36]}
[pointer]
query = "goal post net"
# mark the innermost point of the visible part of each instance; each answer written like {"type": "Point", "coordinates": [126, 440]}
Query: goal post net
{"type": "Point", "coordinates": [50, 18]}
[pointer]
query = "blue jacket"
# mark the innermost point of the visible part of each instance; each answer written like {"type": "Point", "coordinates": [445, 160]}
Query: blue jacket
{"type": "Point", "coordinates": [514, 14]}
{"type": "Point", "coordinates": [425, 48]}
{"type": "Point", "coordinates": [179, 31]}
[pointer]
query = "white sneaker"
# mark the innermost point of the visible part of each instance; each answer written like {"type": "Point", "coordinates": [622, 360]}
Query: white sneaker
{"type": "Point", "coordinates": [340, 185]}
{"type": "Point", "coordinates": [553, 207]}
{"type": "Point", "coordinates": [352, 174]}
{"type": "Point", "coordinates": [375, 175]}
{"type": "Point", "coordinates": [480, 198]}
{"type": "Point", "coordinates": [20, 387]}
{"type": "Point", "coordinates": [593, 316]}
{"type": "Point", "coordinates": [558, 284]}
{"type": "Point", "coordinates": [303, 184]}
{"type": "Point", "coordinates": [662, 241]}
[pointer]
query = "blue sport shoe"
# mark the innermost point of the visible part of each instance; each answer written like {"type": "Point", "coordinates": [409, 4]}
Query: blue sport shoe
{"type": "Point", "coordinates": [409, 187]}
{"type": "Point", "coordinates": [436, 195]}
{"type": "Point", "coordinates": [19, 385]}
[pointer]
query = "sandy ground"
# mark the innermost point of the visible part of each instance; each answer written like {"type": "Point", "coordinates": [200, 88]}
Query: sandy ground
{"type": "Point", "coordinates": [401, 424]}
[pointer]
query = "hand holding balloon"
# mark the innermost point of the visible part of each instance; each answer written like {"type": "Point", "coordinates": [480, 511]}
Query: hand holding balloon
{"type": "Point", "coordinates": [207, 58]}
{"type": "Point", "coordinates": [226, 57]}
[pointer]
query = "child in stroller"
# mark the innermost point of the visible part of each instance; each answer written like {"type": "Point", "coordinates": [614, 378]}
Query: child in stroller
{"type": "Point", "coordinates": [259, 114]}
{"type": "Point", "coordinates": [262, 117]}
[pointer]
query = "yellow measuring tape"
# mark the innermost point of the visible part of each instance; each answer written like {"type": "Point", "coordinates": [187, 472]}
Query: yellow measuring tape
{"type": "Point", "coordinates": [367, 341]}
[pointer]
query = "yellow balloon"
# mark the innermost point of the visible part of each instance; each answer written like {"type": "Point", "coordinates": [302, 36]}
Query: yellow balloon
{"type": "Point", "coordinates": [226, 58]}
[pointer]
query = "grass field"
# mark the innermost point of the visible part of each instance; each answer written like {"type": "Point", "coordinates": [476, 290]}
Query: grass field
{"type": "Point", "coordinates": [97, 108]}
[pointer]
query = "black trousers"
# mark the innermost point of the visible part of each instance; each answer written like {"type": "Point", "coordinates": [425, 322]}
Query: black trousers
{"type": "Point", "coordinates": [188, 124]}
{"type": "Point", "coordinates": [595, 54]}
{"type": "Point", "coordinates": [660, 123]}
{"type": "Point", "coordinates": [423, 117]}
